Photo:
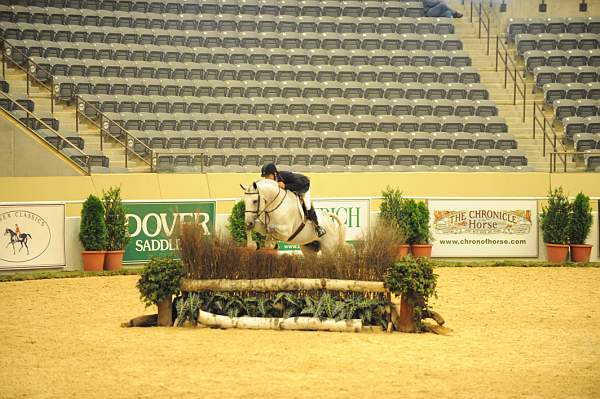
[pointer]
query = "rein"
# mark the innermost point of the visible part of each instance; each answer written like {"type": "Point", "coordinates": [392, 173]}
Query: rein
{"type": "Point", "coordinates": [265, 211]}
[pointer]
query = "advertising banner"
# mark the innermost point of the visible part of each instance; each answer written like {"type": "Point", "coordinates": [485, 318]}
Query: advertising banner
{"type": "Point", "coordinates": [153, 226]}
{"type": "Point", "coordinates": [33, 236]}
{"type": "Point", "coordinates": [353, 213]}
{"type": "Point", "coordinates": [484, 228]}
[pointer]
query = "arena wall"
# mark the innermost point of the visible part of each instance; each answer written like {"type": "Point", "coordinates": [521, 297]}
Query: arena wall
{"type": "Point", "coordinates": [225, 190]}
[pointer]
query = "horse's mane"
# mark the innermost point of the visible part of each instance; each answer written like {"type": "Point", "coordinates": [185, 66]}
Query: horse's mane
{"type": "Point", "coordinates": [266, 182]}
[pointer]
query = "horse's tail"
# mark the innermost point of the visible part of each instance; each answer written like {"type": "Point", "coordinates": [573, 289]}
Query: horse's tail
{"type": "Point", "coordinates": [341, 229]}
{"type": "Point", "coordinates": [28, 235]}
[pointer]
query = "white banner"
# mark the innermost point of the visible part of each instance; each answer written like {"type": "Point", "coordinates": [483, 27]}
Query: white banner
{"type": "Point", "coordinates": [32, 236]}
{"type": "Point", "coordinates": [484, 228]}
{"type": "Point", "coordinates": [353, 213]}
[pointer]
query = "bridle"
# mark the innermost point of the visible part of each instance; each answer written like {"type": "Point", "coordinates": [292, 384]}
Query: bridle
{"type": "Point", "coordinates": [265, 211]}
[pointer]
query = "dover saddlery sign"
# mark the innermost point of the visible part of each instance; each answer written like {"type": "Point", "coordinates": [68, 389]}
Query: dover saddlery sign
{"type": "Point", "coordinates": [33, 236]}
{"type": "Point", "coordinates": [484, 228]}
{"type": "Point", "coordinates": [353, 213]}
{"type": "Point", "coordinates": [153, 226]}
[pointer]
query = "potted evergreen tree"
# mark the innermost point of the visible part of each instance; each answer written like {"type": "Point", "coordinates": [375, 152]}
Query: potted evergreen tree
{"type": "Point", "coordinates": [555, 226]}
{"type": "Point", "coordinates": [419, 232]}
{"type": "Point", "coordinates": [92, 234]}
{"type": "Point", "coordinates": [392, 214]}
{"type": "Point", "coordinates": [580, 223]}
{"type": "Point", "coordinates": [159, 281]}
{"type": "Point", "coordinates": [414, 281]}
{"type": "Point", "coordinates": [116, 227]}
{"type": "Point", "coordinates": [236, 226]}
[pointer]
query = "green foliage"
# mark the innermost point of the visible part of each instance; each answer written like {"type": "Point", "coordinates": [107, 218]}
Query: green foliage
{"type": "Point", "coordinates": [92, 230]}
{"type": "Point", "coordinates": [580, 219]}
{"type": "Point", "coordinates": [159, 280]}
{"type": "Point", "coordinates": [237, 226]}
{"type": "Point", "coordinates": [338, 306]}
{"type": "Point", "coordinates": [413, 277]}
{"type": "Point", "coordinates": [187, 310]}
{"type": "Point", "coordinates": [116, 222]}
{"type": "Point", "coordinates": [392, 213]}
{"type": "Point", "coordinates": [417, 215]}
{"type": "Point", "coordinates": [555, 218]}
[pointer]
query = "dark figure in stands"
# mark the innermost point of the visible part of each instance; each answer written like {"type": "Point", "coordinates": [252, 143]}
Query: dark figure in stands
{"type": "Point", "coordinates": [437, 8]}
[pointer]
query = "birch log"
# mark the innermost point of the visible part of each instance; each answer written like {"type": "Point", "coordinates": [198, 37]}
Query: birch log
{"type": "Point", "coordinates": [281, 284]}
{"type": "Point", "coordinates": [292, 323]}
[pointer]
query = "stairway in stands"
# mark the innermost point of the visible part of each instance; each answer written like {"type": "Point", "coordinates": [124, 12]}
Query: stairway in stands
{"type": "Point", "coordinates": [66, 117]}
{"type": "Point", "coordinates": [494, 81]}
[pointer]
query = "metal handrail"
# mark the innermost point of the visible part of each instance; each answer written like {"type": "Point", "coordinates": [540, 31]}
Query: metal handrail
{"type": "Point", "coordinates": [130, 140]}
{"type": "Point", "coordinates": [481, 12]}
{"type": "Point", "coordinates": [544, 125]}
{"type": "Point", "coordinates": [565, 154]}
{"type": "Point", "coordinates": [104, 126]}
{"type": "Point", "coordinates": [512, 71]}
{"type": "Point", "coordinates": [48, 127]}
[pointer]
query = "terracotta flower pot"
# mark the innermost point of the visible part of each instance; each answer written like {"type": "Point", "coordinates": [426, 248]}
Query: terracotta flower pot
{"type": "Point", "coordinates": [581, 252]}
{"type": "Point", "coordinates": [165, 313]}
{"type": "Point", "coordinates": [113, 260]}
{"type": "Point", "coordinates": [93, 261]}
{"type": "Point", "coordinates": [421, 250]}
{"type": "Point", "coordinates": [406, 322]}
{"type": "Point", "coordinates": [557, 253]}
{"type": "Point", "coordinates": [401, 251]}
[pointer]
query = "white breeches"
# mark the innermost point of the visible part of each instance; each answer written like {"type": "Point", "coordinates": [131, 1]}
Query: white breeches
{"type": "Point", "coordinates": [306, 199]}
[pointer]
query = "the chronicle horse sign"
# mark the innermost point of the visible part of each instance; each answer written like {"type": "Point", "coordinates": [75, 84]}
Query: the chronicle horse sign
{"type": "Point", "coordinates": [32, 236]}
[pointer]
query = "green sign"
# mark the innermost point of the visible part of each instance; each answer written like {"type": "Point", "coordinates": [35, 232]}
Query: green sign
{"type": "Point", "coordinates": [153, 226]}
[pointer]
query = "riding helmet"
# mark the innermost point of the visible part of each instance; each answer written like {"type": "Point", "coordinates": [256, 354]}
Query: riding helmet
{"type": "Point", "coordinates": [268, 169]}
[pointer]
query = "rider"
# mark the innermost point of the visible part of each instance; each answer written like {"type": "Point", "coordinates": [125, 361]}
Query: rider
{"type": "Point", "coordinates": [17, 230]}
{"type": "Point", "coordinates": [298, 184]}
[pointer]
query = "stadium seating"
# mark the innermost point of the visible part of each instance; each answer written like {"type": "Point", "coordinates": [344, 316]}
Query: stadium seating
{"type": "Point", "coordinates": [319, 86]}
{"type": "Point", "coordinates": [536, 26]}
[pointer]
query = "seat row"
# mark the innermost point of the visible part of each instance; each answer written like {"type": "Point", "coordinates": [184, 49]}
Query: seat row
{"type": "Point", "coordinates": [156, 139]}
{"type": "Point", "coordinates": [335, 8]}
{"type": "Point", "coordinates": [247, 72]}
{"type": "Point", "coordinates": [582, 108]}
{"type": "Point", "coordinates": [284, 122]}
{"type": "Point", "coordinates": [562, 41]}
{"type": "Point", "coordinates": [583, 74]}
{"type": "Point", "coordinates": [285, 40]}
{"type": "Point", "coordinates": [586, 141]}
{"type": "Point", "coordinates": [67, 88]}
{"type": "Point", "coordinates": [224, 23]}
{"type": "Point", "coordinates": [344, 158]}
{"type": "Point", "coordinates": [570, 91]}
{"type": "Point", "coordinates": [591, 158]}
{"type": "Point", "coordinates": [574, 125]}
{"type": "Point", "coordinates": [294, 106]}
{"type": "Point", "coordinates": [152, 53]}
{"type": "Point", "coordinates": [536, 26]}
{"type": "Point", "coordinates": [335, 169]}
{"type": "Point", "coordinates": [556, 58]}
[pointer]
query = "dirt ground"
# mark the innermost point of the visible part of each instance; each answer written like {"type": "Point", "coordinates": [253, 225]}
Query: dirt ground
{"type": "Point", "coordinates": [518, 332]}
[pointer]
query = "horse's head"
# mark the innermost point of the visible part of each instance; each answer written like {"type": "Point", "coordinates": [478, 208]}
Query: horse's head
{"type": "Point", "coordinates": [7, 231]}
{"type": "Point", "coordinates": [256, 196]}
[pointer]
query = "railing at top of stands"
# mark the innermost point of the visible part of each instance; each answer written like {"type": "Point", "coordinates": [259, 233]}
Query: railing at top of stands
{"type": "Point", "coordinates": [549, 136]}
{"type": "Point", "coordinates": [30, 68]}
{"type": "Point", "coordinates": [61, 139]}
{"type": "Point", "coordinates": [510, 69]}
{"type": "Point", "coordinates": [483, 21]}
{"type": "Point", "coordinates": [563, 156]}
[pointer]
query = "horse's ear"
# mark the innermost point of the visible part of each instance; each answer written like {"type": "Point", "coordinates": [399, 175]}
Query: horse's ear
{"type": "Point", "coordinates": [254, 185]}
{"type": "Point", "coordinates": [243, 187]}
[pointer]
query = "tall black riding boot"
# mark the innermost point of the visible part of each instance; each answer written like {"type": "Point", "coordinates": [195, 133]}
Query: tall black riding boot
{"type": "Point", "coordinates": [312, 216]}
